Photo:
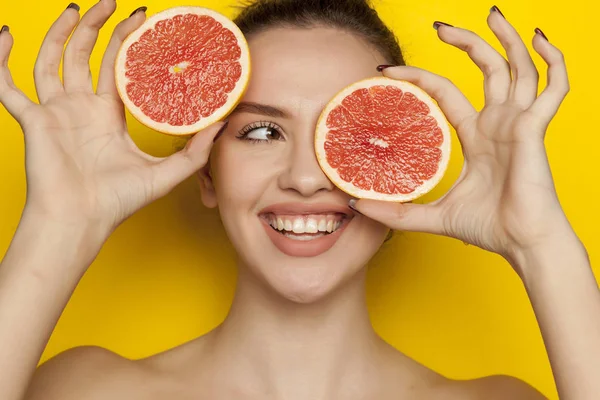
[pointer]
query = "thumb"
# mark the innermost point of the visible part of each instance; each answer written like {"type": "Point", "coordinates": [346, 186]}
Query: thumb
{"type": "Point", "coordinates": [402, 216]}
{"type": "Point", "coordinates": [174, 169]}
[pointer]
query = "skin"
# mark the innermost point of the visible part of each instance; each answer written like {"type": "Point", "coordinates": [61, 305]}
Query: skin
{"type": "Point", "coordinates": [298, 328]}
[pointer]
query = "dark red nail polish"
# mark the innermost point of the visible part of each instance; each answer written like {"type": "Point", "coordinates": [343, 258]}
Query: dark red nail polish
{"type": "Point", "coordinates": [74, 7]}
{"type": "Point", "coordinates": [218, 135]}
{"type": "Point", "coordinates": [137, 10]}
{"type": "Point", "coordinates": [351, 204]}
{"type": "Point", "coordinates": [539, 32]}
{"type": "Point", "coordinates": [437, 24]}
{"type": "Point", "coordinates": [4, 29]}
{"type": "Point", "coordinates": [384, 66]}
{"type": "Point", "coordinates": [496, 9]}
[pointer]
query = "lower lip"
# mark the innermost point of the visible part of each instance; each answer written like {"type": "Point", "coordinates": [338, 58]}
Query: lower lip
{"type": "Point", "coordinates": [306, 248]}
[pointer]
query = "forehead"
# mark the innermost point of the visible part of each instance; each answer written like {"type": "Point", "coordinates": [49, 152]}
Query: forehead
{"type": "Point", "coordinates": [300, 70]}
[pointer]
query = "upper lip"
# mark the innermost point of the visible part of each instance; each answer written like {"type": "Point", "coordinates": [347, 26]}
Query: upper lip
{"type": "Point", "coordinates": [306, 209]}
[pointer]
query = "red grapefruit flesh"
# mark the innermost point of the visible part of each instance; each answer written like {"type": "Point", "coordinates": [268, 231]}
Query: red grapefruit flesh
{"type": "Point", "coordinates": [183, 69]}
{"type": "Point", "coordinates": [383, 139]}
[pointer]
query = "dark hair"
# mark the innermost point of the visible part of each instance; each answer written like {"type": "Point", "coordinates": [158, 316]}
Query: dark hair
{"type": "Point", "coordinates": [355, 16]}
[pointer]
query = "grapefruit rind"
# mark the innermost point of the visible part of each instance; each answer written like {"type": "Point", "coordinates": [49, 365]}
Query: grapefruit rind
{"type": "Point", "coordinates": [234, 97]}
{"type": "Point", "coordinates": [348, 187]}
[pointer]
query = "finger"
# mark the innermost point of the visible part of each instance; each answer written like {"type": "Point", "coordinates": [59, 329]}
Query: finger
{"type": "Point", "coordinates": [525, 75]}
{"type": "Point", "coordinates": [403, 216]}
{"type": "Point", "coordinates": [549, 101]}
{"type": "Point", "coordinates": [453, 103]}
{"type": "Point", "coordinates": [76, 66]}
{"type": "Point", "coordinates": [173, 170]}
{"type": "Point", "coordinates": [45, 72]}
{"type": "Point", "coordinates": [495, 68]}
{"type": "Point", "coordinates": [11, 97]}
{"type": "Point", "coordinates": [106, 81]}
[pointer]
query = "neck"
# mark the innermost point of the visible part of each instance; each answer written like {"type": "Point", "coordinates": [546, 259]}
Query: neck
{"type": "Point", "coordinates": [297, 350]}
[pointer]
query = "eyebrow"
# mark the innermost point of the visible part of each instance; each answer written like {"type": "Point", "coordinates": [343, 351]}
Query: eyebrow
{"type": "Point", "coordinates": [263, 109]}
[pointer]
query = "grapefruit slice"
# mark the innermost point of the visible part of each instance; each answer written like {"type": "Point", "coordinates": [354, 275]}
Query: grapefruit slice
{"type": "Point", "coordinates": [383, 139]}
{"type": "Point", "coordinates": [183, 69]}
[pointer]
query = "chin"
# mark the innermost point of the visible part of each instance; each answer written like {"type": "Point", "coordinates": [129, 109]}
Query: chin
{"type": "Point", "coordinates": [310, 284]}
{"type": "Point", "coordinates": [306, 258]}
{"type": "Point", "coordinates": [308, 280]}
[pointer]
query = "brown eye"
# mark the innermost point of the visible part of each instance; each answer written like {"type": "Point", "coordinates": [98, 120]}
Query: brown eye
{"type": "Point", "coordinates": [261, 133]}
{"type": "Point", "coordinates": [274, 134]}
{"type": "Point", "coordinates": [265, 133]}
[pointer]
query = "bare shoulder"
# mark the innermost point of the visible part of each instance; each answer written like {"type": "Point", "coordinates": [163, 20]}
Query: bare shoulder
{"type": "Point", "coordinates": [87, 372]}
{"type": "Point", "coordinates": [426, 383]}
{"type": "Point", "coordinates": [495, 387]}
{"type": "Point", "coordinates": [415, 380]}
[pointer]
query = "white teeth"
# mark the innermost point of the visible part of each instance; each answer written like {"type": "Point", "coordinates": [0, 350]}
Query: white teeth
{"type": "Point", "coordinates": [305, 224]}
{"type": "Point", "coordinates": [322, 226]}
{"type": "Point", "coordinates": [298, 226]}
{"type": "Point", "coordinates": [330, 226]}
{"type": "Point", "coordinates": [303, 238]}
{"type": "Point", "coordinates": [311, 226]}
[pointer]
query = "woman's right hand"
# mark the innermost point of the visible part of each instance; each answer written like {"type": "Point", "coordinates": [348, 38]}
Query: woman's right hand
{"type": "Point", "coordinates": [82, 166]}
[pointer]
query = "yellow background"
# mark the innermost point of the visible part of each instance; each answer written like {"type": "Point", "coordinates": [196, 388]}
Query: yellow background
{"type": "Point", "coordinates": [167, 275]}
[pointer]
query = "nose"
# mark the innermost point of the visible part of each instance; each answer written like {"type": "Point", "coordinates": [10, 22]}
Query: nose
{"type": "Point", "coordinates": [303, 173]}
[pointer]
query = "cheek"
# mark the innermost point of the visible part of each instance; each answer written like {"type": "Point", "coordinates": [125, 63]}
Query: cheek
{"type": "Point", "coordinates": [241, 176]}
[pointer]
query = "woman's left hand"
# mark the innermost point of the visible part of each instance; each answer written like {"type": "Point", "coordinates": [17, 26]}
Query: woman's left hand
{"type": "Point", "coordinates": [504, 200]}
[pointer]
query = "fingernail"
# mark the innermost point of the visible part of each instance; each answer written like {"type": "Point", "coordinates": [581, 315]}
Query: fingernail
{"type": "Point", "coordinates": [218, 135]}
{"type": "Point", "coordinates": [496, 9]}
{"type": "Point", "coordinates": [4, 29]}
{"type": "Point", "coordinates": [539, 32]}
{"type": "Point", "coordinates": [74, 7]}
{"type": "Point", "coordinates": [437, 24]}
{"type": "Point", "coordinates": [137, 10]}
{"type": "Point", "coordinates": [384, 66]}
{"type": "Point", "coordinates": [351, 204]}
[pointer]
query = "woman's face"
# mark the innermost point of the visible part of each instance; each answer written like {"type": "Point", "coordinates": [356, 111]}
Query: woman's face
{"type": "Point", "coordinates": [276, 204]}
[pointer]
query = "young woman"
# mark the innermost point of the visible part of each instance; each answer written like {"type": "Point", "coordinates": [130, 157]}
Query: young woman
{"type": "Point", "coordinates": [298, 327]}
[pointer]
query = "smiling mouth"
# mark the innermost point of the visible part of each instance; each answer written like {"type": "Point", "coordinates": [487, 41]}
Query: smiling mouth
{"type": "Point", "coordinates": [306, 227]}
